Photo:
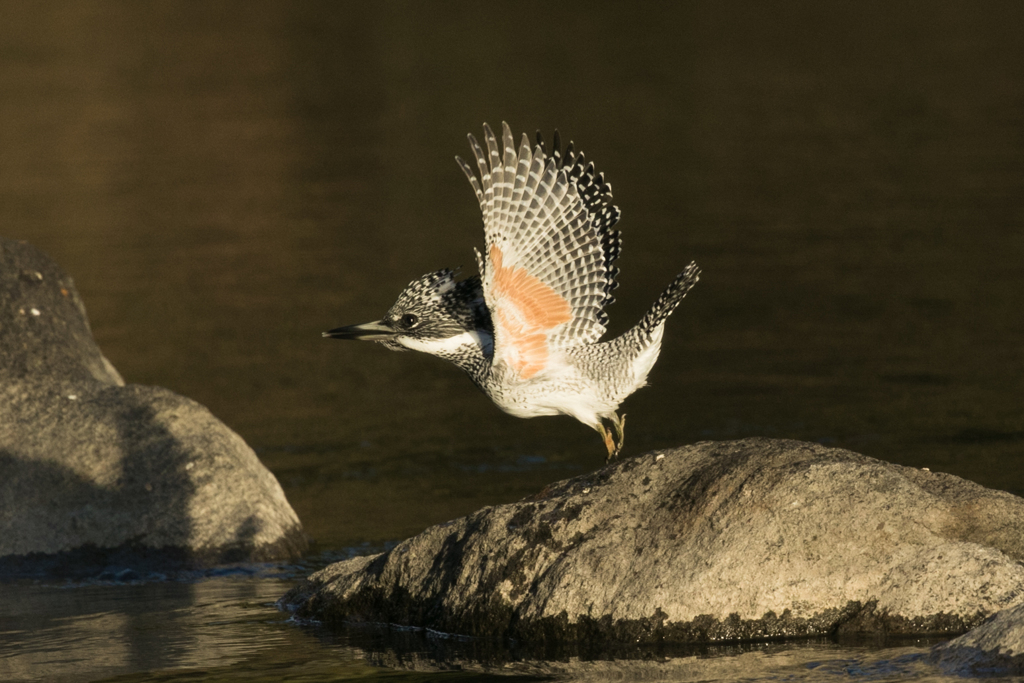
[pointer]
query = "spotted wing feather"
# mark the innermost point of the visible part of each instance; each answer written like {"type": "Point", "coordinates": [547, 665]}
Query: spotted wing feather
{"type": "Point", "coordinates": [550, 246]}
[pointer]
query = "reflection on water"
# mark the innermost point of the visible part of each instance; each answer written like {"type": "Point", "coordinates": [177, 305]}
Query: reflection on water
{"type": "Point", "coordinates": [228, 629]}
{"type": "Point", "coordinates": [92, 631]}
{"type": "Point", "coordinates": [227, 180]}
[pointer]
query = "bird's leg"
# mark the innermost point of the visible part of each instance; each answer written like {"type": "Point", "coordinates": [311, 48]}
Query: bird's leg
{"type": "Point", "coordinates": [620, 432]}
{"type": "Point", "coordinates": [613, 436]}
{"type": "Point", "coordinates": [609, 441]}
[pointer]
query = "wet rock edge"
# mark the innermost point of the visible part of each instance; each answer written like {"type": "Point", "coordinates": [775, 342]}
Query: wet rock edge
{"type": "Point", "coordinates": [555, 637]}
{"type": "Point", "coordinates": [138, 560]}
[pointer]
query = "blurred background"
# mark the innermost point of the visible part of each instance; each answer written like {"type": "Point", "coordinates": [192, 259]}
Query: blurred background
{"type": "Point", "coordinates": [226, 180]}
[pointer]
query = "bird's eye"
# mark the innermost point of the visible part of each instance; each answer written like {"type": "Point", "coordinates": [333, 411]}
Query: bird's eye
{"type": "Point", "coordinates": [408, 320]}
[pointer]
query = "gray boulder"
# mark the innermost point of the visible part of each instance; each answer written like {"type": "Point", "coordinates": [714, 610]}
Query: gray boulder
{"type": "Point", "coordinates": [93, 472]}
{"type": "Point", "coordinates": [996, 646]}
{"type": "Point", "coordinates": [749, 539]}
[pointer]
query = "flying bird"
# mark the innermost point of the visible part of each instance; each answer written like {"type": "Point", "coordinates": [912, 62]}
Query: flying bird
{"type": "Point", "coordinates": [527, 329]}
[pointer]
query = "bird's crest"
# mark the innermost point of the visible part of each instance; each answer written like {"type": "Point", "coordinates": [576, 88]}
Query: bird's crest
{"type": "Point", "coordinates": [433, 286]}
{"type": "Point", "coordinates": [462, 300]}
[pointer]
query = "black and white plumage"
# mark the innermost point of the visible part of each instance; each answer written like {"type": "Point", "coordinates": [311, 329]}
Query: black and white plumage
{"type": "Point", "coordinates": [527, 329]}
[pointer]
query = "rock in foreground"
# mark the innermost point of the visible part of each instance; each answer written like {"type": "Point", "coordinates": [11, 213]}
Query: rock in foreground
{"type": "Point", "coordinates": [749, 539]}
{"type": "Point", "coordinates": [995, 647]}
{"type": "Point", "coordinates": [93, 472]}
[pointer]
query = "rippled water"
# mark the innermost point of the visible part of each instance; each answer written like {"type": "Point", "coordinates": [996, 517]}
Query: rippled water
{"type": "Point", "coordinates": [226, 180]}
{"type": "Point", "coordinates": [227, 628]}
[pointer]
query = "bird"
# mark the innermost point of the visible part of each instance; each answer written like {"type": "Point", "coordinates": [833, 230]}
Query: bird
{"type": "Point", "coordinates": [527, 328]}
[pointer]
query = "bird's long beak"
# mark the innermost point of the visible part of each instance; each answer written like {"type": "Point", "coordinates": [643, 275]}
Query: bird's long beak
{"type": "Point", "coordinates": [375, 331]}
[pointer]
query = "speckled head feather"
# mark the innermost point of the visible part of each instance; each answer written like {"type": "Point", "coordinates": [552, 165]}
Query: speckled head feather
{"type": "Point", "coordinates": [436, 306]}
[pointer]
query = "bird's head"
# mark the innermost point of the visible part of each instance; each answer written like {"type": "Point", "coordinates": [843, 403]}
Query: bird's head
{"type": "Point", "coordinates": [435, 314]}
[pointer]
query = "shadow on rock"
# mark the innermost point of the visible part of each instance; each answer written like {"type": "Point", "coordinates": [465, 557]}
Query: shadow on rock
{"type": "Point", "coordinates": [94, 473]}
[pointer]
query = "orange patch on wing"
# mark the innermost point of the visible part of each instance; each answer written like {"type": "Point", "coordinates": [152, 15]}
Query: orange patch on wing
{"type": "Point", "coordinates": [527, 310]}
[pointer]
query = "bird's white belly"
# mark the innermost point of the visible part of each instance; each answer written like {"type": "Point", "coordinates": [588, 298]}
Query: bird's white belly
{"type": "Point", "coordinates": [554, 394]}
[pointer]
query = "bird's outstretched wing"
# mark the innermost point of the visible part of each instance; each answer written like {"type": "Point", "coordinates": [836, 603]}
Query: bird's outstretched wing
{"type": "Point", "coordinates": [550, 246]}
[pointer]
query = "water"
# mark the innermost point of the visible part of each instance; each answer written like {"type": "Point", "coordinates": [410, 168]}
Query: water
{"type": "Point", "coordinates": [226, 180]}
{"type": "Point", "coordinates": [228, 629]}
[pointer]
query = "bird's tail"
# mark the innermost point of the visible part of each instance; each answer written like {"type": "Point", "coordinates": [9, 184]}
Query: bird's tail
{"type": "Point", "coordinates": [667, 302]}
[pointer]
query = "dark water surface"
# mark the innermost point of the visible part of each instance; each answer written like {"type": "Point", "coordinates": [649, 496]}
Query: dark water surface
{"type": "Point", "coordinates": [226, 180]}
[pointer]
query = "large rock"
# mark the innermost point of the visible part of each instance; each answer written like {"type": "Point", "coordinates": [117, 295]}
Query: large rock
{"type": "Point", "coordinates": [994, 647]}
{"type": "Point", "coordinates": [718, 541]}
{"type": "Point", "coordinates": [93, 472]}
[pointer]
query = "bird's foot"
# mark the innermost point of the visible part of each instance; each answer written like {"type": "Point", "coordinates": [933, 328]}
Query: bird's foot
{"type": "Point", "coordinates": [613, 436]}
{"type": "Point", "coordinates": [609, 441]}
